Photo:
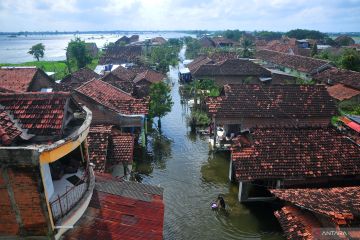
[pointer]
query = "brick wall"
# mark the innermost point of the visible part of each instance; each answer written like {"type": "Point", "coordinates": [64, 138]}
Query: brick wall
{"type": "Point", "coordinates": [23, 183]}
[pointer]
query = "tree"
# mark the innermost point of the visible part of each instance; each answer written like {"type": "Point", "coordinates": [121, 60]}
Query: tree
{"type": "Point", "coordinates": [246, 44]}
{"type": "Point", "coordinates": [77, 51]}
{"type": "Point", "coordinates": [314, 50]}
{"type": "Point", "coordinates": [304, 33]}
{"type": "Point", "coordinates": [37, 51]}
{"type": "Point", "coordinates": [350, 60]}
{"type": "Point", "coordinates": [160, 101]}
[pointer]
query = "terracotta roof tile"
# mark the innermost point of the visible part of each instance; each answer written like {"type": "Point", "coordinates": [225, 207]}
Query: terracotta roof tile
{"type": "Point", "coordinates": [120, 215]}
{"type": "Point", "coordinates": [300, 63]}
{"type": "Point", "coordinates": [232, 67]}
{"type": "Point", "coordinates": [340, 204]}
{"type": "Point", "coordinates": [17, 79]}
{"type": "Point", "coordinates": [150, 76]}
{"type": "Point", "coordinates": [76, 79]}
{"type": "Point", "coordinates": [197, 62]}
{"type": "Point", "coordinates": [8, 127]}
{"type": "Point", "coordinates": [123, 74]}
{"type": "Point", "coordinates": [275, 101]}
{"type": "Point", "coordinates": [113, 98]}
{"type": "Point", "coordinates": [341, 92]}
{"type": "Point", "coordinates": [296, 153]}
{"type": "Point", "coordinates": [296, 223]}
{"type": "Point", "coordinates": [98, 140]}
{"type": "Point", "coordinates": [335, 75]}
{"type": "Point", "coordinates": [122, 148]}
{"type": "Point", "coordinates": [40, 113]}
{"type": "Point", "coordinates": [222, 56]}
{"type": "Point", "coordinates": [121, 54]}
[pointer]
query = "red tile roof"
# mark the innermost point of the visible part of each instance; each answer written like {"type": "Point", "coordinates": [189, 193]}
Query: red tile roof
{"type": "Point", "coordinates": [222, 40]}
{"type": "Point", "coordinates": [122, 148]}
{"type": "Point", "coordinates": [222, 56]}
{"type": "Point", "coordinates": [341, 92]}
{"type": "Point", "coordinates": [8, 129]}
{"type": "Point", "coordinates": [340, 204]}
{"type": "Point", "coordinates": [121, 54]}
{"type": "Point", "coordinates": [17, 79]}
{"type": "Point", "coordinates": [297, 62]}
{"type": "Point", "coordinates": [335, 75]}
{"type": "Point", "coordinates": [197, 62]}
{"type": "Point", "coordinates": [275, 101]}
{"type": "Point", "coordinates": [297, 224]}
{"type": "Point", "coordinates": [150, 76]}
{"type": "Point", "coordinates": [98, 140]}
{"type": "Point", "coordinates": [122, 73]}
{"type": "Point", "coordinates": [39, 113]}
{"type": "Point", "coordinates": [296, 154]}
{"type": "Point", "coordinates": [121, 210]}
{"type": "Point", "coordinates": [353, 125]}
{"type": "Point", "coordinates": [232, 67]}
{"type": "Point", "coordinates": [77, 78]}
{"type": "Point", "coordinates": [114, 98]}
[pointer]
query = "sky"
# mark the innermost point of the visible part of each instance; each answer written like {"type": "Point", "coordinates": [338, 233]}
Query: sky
{"type": "Point", "coordinates": [249, 15]}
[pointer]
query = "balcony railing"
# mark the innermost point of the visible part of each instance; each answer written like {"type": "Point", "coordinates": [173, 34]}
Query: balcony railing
{"type": "Point", "coordinates": [65, 202]}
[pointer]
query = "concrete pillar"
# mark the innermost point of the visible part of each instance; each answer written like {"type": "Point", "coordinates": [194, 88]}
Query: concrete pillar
{"type": "Point", "coordinates": [230, 170]}
{"type": "Point", "coordinates": [243, 191]}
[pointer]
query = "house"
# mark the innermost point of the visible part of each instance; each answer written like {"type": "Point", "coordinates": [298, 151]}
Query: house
{"type": "Point", "coordinates": [287, 45]}
{"type": "Point", "coordinates": [121, 55]}
{"type": "Point", "coordinates": [232, 71]}
{"type": "Point", "coordinates": [121, 210]}
{"type": "Point", "coordinates": [45, 176]}
{"type": "Point", "coordinates": [48, 184]}
{"type": "Point", "coordinates": [134, 38]}
{"type": "Point", "coordinates": [158, 41]}
{"type": "Point", "coordinates": [220, 42]}
{"type": "Point", "coordinates": [343, 84]}
{"type": "Point", "coordinates": [24, 79]}
{"type": "Point", "coordinates": [123, 40]}
{"type": "Point", "coordinates": [144, 80]}
{"type": "Point", "coordinates": [116, 107]}
{"type": "Point", "coordinates": [274, 158]}
{"type": "Point", "coordinates": [206, 42]}
{"type": "Point", "coordinates": [92, 49]}
{"type": "Point", "coordinates": [246, 106]}
{"type": "Point", "coordinates": [110, 150]}
{"type": "Point", "coordinates": [197, 62]}
{"type": "Point", "coordinates": [296, 65]}
{"type": "Point", "coordinates": [307, 211]}
{"type": "Point", "coordinates": [121, 78]}
{"type": "Point", "coordinates": [76, 79]}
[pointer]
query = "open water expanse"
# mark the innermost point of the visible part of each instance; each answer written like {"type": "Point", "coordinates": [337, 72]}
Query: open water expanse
{"type": "Point", "coordinates": [192, 177]}
{"type": "Point", "coordinates": [15, 49]}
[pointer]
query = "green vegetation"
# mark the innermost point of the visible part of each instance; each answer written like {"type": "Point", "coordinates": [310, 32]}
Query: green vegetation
{"type": "Point", "coordinates": [268, 35]}
{"type": "Point", "coordinates": [160, 57]}
{"type": "Point", "coordinates": [246, 45]}
{"type": "Point", "coordinates": [37, 51]}
{"type": "Point", "coordinates": [346, 58]}
{"type": "Point", "coordinates": [198, 118]}
{"type": "Point", "coordinates": [349, 107]}
{"type": "Point", "coordinates": [314, 50]}
{"type": "Point", "coordinates": [304, 33]}
{"type": "Point", "coordinates": [77, 53]}
{"type": "Point", "coordinates": [161, 102]}
{"type": "Point", "coordinates": [232, 34]}
{"type": "Point", "coordinates": [344, 40]}
{"type": "Point", "coordinates": [193, 47]}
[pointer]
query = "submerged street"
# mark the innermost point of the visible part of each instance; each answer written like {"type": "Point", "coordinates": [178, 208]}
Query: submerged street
{"type": "Point", "coordinates": [192, 177]}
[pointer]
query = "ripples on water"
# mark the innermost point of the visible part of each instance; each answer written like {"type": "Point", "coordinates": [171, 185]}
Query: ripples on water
{"type": "Point", "coordinates": [192, 177]}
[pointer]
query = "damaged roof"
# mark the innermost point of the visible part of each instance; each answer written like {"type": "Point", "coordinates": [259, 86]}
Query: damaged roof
{"type": "Point", "coordinates": [38, 113]}
{"type": "Point", "coordinates": [296, 153]}
{"type": "Point", "coordinates": [274, 101]}
{"type": "Point", "coordinates": [340, 204]}
{"type": "Point", "coordinates": [8, 129]}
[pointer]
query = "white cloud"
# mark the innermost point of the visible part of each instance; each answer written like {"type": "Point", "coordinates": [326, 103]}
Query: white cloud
{"type": "Point", "coordinates": [282, 15]}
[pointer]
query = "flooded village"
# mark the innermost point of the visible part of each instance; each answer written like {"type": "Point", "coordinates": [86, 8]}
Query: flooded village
{"type": "Point", "coordinates": [197, 135]}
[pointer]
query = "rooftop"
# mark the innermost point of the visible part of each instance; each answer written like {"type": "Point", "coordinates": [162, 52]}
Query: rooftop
{"type": "Point", "coordinates": [150, 76]}
{"type": "Point", "coordinates": [276, 101]}
{"type": "Point", "coordinates": [114, 99]}
{"type": "Point", "coordinates": [39, 113]}
{"type": "Point", "coordinates": [335, 75]}
{"type": "Point", "coordinates": [121, 54]}
{"type": "Point", "coordinates": [296, 153]}
{"type": "Point", "coordinates": [197, 62]}
{"type": "Point", "coordinates": [17, 79]}
{"type": "Point", "coordinates": [76, 79]}
{"type": "Point", "coordinates": [121, 210]}
{"type": "Point", "coordinates": [341, 92]}
{"type": "Point", "coordinates": [232, 67]}
{"type": "Point", "coordinates": [122, 148]}
{"type": "Point", "coordinates": [340, 204]}
{"type": "Point", "coordinates": [297, 62]}
{"type": "Point", "coordinates": [123, 74]}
